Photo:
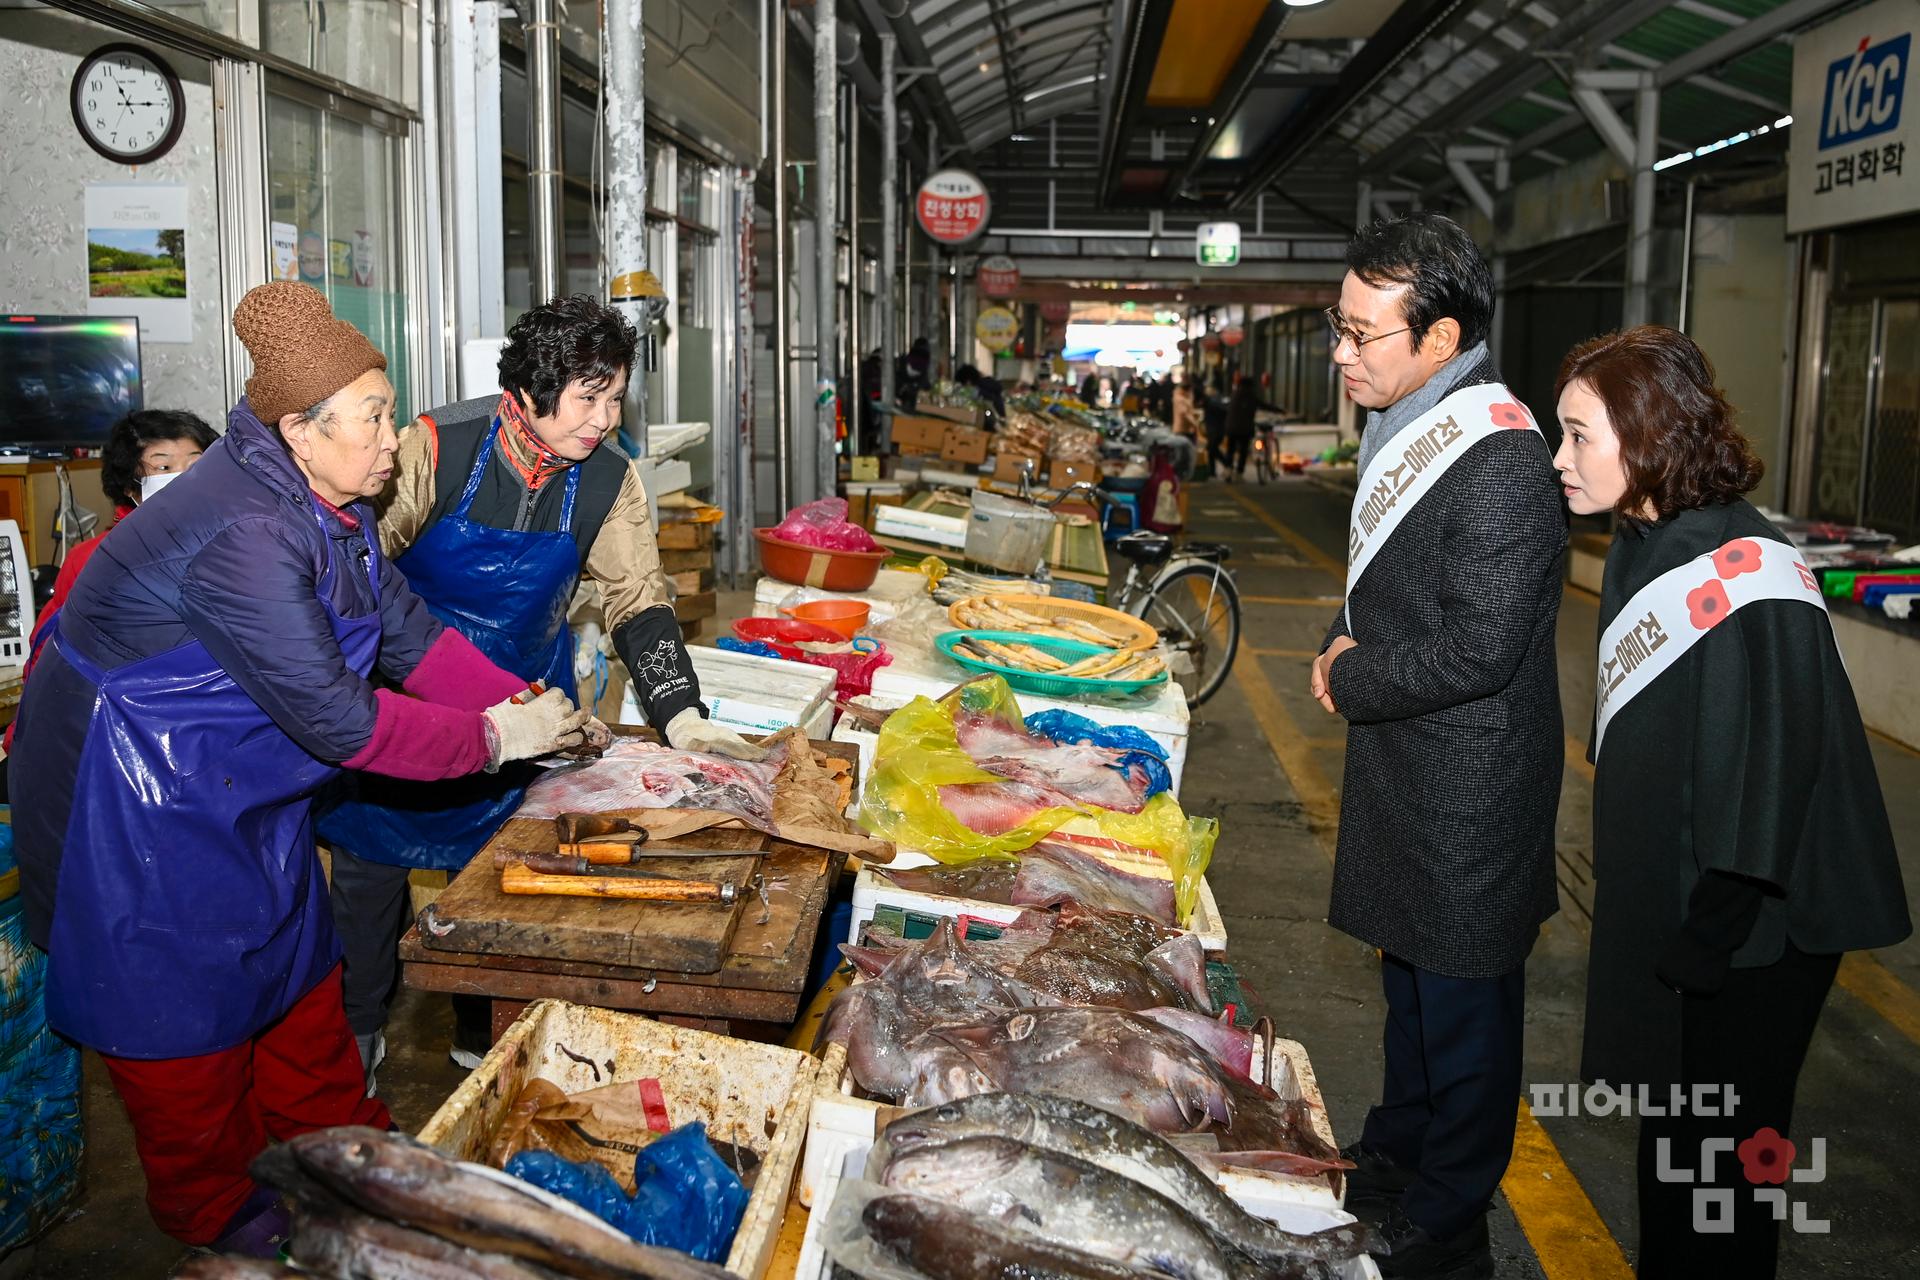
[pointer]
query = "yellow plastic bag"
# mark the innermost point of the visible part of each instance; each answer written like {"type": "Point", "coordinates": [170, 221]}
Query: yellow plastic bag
{"type": "Point", "coordinates": [919, 752]}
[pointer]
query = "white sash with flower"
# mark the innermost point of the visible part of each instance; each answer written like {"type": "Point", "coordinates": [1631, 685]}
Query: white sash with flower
{"type": "Point", "coordinates": [1668, 616]}
{"type": "Point", "coordinates": [1406, 470]}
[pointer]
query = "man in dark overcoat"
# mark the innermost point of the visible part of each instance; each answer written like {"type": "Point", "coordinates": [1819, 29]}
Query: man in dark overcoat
{"type": "Point", "coordinates": [1442, 664]}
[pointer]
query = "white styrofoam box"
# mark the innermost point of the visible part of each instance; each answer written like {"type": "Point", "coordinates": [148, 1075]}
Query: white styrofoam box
{"type": "Point", "coordinates": [1164, 717]}
{"type": "Point", "coordinates": [948, 478]}
{"type": "Point", "coordinates": [871, 891]}
{"type": "Point", "coordinates": [755, 1095]}
{"type": "Point", "coordinates": [751, 694]}
{"type": "Point", "coordinates": [813, 1249]}
{"type": "Point", "coordinates": [840, 1124]}
{"type": "Point", "coordinates": [921, 526]}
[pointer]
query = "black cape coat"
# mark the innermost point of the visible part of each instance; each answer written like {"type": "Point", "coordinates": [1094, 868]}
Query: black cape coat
{"type": "Point", "coordinates": [1746, 757]}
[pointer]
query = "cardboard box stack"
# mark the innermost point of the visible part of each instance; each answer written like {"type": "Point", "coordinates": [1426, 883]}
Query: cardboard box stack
{"type": "Point", "coordinates": [919, 436]}
{"type": "Point", "coordinates": [686, 557]}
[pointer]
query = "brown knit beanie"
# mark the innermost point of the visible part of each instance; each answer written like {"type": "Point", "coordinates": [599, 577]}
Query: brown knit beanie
{"type": "Point", "coordinates": [301, 353]}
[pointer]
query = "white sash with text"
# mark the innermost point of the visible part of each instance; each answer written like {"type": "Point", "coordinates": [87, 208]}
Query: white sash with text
{"type": "Point", "coordinates": [1406, 470]}
{"type": "Point", "coordinates": [1668, 616]}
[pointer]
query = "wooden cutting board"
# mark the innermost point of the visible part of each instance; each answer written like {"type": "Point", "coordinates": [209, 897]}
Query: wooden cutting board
{"type": "Point", "coordinates": [473, 915]}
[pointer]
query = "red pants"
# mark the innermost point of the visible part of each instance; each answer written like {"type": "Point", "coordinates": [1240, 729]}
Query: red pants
{"type": "Point", "coordinates": [199, 1122]}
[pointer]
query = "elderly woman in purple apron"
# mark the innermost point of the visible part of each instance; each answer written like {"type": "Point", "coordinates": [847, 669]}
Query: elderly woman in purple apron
{"type": "Point", "coordinates": [498, 507]}
{"type": "Point", "coordinates": [1741, 843]}
{"type": "Point", "coordinates": [211, 671]}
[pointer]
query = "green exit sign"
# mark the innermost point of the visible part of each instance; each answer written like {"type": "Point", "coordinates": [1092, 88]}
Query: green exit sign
{"type": "Point", "coordinates": [1217, 244]}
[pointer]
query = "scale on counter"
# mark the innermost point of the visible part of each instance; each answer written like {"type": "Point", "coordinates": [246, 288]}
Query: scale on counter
{"type": "Point", "coordinates": [16, 596]}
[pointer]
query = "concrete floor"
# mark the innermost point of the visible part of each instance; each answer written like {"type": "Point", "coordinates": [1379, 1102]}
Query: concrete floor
{"type": "Point", "coordinates": [1267, 761]}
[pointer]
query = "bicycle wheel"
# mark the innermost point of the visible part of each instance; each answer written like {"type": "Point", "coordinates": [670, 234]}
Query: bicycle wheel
{"type": "Point", "coordinates": [1264, 462]}
{"type": "Point", "coordinates": [1196, 609]}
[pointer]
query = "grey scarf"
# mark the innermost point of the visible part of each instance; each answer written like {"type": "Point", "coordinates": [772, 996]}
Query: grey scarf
{"type": "Point", "coordinates": [1384, 424]}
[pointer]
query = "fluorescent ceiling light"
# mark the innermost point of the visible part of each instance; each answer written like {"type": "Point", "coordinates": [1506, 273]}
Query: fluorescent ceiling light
{"type": "Point", "coordinates": [1303, 4]}
{"type": "Point", "coordinates": [1660, 166]}
{"type": "Point", "coordinates": [1056, 88]}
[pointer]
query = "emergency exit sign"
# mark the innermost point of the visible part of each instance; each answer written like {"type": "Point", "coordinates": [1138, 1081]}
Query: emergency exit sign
{"type": "Point", "coordinates": [1217, 244]}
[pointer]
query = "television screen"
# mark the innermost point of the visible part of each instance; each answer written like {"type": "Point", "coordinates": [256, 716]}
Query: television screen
{"type": "Point", "coordinates": [65, 380]}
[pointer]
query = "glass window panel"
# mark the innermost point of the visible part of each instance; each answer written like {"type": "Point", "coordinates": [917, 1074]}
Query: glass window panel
{"type": "Point", "coordinates": [370, 44]}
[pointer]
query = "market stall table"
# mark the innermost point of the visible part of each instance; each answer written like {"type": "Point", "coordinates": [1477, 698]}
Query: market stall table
{"type": "Point", "coordinates": [741, 969]}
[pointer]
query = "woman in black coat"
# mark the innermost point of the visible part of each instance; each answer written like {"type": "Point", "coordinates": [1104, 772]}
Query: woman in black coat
{"type": "Point", "coordinates": [1741, 844]}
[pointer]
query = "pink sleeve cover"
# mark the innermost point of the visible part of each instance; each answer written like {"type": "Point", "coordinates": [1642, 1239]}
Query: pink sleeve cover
{"type": "Point", "coordinates": [456, 674]}
{"type": "Point", "coordinates": [422, 741]}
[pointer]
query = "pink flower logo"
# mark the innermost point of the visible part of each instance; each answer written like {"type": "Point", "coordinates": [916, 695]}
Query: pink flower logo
{"type": "Point", "coordinates": [1739, 556]}
{"type": "Point", "coordinates": [1768, 1157]}
{"type": "Point", "coordinates": [1509, 414]}
{"type": "Point", "coordinates": [1707, 605]}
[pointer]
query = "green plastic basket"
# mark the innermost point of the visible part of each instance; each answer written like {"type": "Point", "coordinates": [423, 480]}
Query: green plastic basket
{"type": "Point", "coordinates": [1035, 682]}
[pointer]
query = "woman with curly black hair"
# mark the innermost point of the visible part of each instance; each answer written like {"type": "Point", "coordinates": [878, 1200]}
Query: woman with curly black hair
{"type": "Point", "coordinates": [1741, 843]}
{"type": "Point", "coordinates": [497, 506]}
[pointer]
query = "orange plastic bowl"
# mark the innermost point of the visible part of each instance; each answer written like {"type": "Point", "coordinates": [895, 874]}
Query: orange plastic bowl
{"type": "Point", "coordinates": [818, 567]}
{"type": "Point", "coordinates": [842, 617]}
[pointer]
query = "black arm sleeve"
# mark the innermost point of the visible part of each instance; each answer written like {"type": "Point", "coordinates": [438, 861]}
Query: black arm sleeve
{"type": "Point", "coordinates": [1720, 914]}
{"type": "Point", "coordinates": [658, 664]}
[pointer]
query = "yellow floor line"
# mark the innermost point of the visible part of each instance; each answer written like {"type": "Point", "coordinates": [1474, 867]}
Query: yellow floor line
{"type": "Point", "coordinates": [1316, 602]}
{"type": "Point", "coordinates": [1567, 1233]}
{"type": "Point", "coordinates": [1577, 758]}
{"type": "Point", "coordinates": [1320, 559]}
{"type": "Point", "coordinates": [1291, 748]}
{"type": "Point", "coordinates": [1874, 985]}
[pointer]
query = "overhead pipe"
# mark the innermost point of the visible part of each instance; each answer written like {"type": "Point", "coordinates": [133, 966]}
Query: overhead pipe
{"type": "Point", "coordinates": [817, 460]}
{"type": "Point", "coordinates": [543, 151]}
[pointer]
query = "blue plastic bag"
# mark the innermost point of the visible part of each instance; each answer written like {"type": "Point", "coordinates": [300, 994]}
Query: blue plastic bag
{"type": "Point", "coordinates": [1141, 750]}
{"type": "Point", "coordinates": [685, 1197]}
{"type": "Point", "coordinates": [758, 648]}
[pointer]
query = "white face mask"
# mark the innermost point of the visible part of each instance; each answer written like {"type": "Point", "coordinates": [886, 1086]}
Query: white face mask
{"type": "Point", "coordinates": [150, 485]}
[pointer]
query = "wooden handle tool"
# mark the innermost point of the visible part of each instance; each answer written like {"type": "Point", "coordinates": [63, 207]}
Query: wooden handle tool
{"type": "Point", "coordinates": [524, 879]}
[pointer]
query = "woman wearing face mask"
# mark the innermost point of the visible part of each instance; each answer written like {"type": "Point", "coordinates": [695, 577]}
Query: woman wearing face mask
{"type": "Point", "coordinates": [498, 507]}
{"type": "Point", "coordinates": [209, 674]}
{"type": "Point", "coordinates": [144, 451]}
{"type": "Point", "coordinates": [1741, 844]}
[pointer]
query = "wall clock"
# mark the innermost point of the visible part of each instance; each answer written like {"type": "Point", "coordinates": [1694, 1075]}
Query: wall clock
{"type": "Point", "coordinates": [127, 103]}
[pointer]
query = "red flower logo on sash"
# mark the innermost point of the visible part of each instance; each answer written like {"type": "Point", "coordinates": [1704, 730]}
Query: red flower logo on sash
{"type": "Point", "coordinates": [1512, 415]}
{"type": "Point", "coordinates": [1768, 1157]}
{"type": "Point", "coordinates": [1707, 604]}
{"type": "Point", "coordinates": [1742, 555]}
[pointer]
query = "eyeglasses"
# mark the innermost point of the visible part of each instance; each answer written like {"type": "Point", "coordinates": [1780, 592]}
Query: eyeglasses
{"type": "Point", "coordinates": [1344, 332]}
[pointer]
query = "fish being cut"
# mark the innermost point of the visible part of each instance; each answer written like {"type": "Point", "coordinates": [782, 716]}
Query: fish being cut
{"type": "Point", "coordinates": [637, 774]}
{"type": "Point", "coordinates": [1099, 1137]}
{"type": "Point", "coordinates": [1066, 1201]}
{"type": "Point", "coordinates": [391, 1176]}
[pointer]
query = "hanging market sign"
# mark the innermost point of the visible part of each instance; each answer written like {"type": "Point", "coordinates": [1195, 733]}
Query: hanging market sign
{"type": "Point", "coordinates": [996, 327]}
{"type": "Point", "coordinates": [1847, 159]}
{"type": "Point", "coordinates": [1056, 312]}
{"type": "Point", "coordinates": [1217, 244]}
{"type": "Point", "coordinates": [952, 206]}
{"type": "Point", "coordinates": [999, 276]}
{"type": "Point", "coordinates": [1233, 335]}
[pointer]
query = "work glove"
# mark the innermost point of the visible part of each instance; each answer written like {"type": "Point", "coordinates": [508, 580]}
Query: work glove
{"type": "Point", "coordinates": [598, 736]}
{"type": "Point", "coordinates": [690, 731]}
{"type": "Point", "coordinates": [522, 730]}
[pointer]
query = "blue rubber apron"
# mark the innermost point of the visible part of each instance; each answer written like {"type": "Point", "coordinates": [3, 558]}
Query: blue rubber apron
{"type": "Point", "coordinates": [191, 910]}
{"type": "Point", "coordinates": [507, 591]}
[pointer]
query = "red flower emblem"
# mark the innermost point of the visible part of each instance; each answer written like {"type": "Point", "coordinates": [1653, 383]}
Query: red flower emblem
{"type": "Point", "coordinates": [1767, 1156]}
{"type": "Point", "coordinates": [1739, 556]}
{"type": "Point", "coordinates": [1707, 604]}
{"type": "Point", "coordinates": [1512, 415]}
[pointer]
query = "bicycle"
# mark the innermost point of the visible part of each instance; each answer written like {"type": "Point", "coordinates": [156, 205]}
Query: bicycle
{"type": "Point", "coordinates": [1264, 466]}
{"type": "Point", "coordinates": [1182, 589]}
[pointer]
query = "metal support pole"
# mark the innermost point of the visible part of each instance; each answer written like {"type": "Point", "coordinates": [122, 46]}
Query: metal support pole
{"type": "Point", "coordinates": [932, 325]}
{"type": "Point", "coordinates": [1502, 179]}
{"type": "Point", "coordinates": [1686, 262]}
{"type": "Point", "coordinates": [1639, 305]}
{"type": "Point", "coordinates": [776, 32]}
{"type": "Point", "coordinates": [889, 342]}
{"type": "Point", "coordinates": [543, 150]}
{"type": "Point", "coordinates": [1363, 206]}
{"type": "Point", "coordinates": [856, 393]}
{"type": "Point", "coordinates": [624, 75]}
{"type": "Point", "coordinates": [826, 121]}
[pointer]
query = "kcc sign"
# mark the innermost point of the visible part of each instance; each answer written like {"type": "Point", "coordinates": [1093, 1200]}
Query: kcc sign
{"type": "Point", "coordinates": [1848, 155]}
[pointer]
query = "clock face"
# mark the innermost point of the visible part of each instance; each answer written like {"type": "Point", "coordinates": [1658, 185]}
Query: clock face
{"type": "Point", "coordinates": [127, 103]}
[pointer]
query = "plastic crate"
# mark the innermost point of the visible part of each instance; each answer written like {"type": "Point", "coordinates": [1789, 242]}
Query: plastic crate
{"type": "Point", "coordinates": [753, 1095]}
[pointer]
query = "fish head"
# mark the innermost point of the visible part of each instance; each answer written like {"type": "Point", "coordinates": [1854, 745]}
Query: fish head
{"type": "Point", "coordinates": [978, 1114]}
{"type": "Point", "coordinates": [361, 1162]}
{"type": "Point", "coordinates": [949, 1168]}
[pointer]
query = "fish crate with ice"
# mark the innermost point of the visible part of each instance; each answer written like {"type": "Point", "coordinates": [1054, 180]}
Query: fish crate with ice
{"type": "Point", "coordinates": [842, 1122]}
{"type": "Point", "coordinates": [754, 1096]}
